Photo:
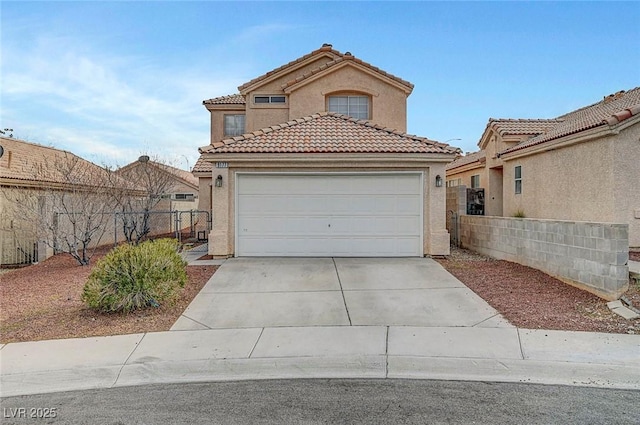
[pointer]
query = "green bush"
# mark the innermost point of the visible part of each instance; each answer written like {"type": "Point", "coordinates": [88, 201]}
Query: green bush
{"type": "Point", "coordinates": [132, 277]}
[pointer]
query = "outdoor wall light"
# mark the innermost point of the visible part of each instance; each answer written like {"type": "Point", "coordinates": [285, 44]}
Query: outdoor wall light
{"type": "Point", "coordinates": [438, 181]}
{"type": "Point", "coordinates": [219, 181]}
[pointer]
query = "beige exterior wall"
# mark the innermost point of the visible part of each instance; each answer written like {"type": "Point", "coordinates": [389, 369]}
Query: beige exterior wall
{"type": "Point", "coordinates": [626, 175]}
{"type": "Point", "coordinates": [462, 176]}
{"type": "Point", "coordinates": [435, 238]}
{"type": "Point", "coordinates": [388, 103]}
{"type": "Point", "coordinates": [217, 118]}
{"type": "Point", "coordinates": [204, 193]}
{"type": "Point", "coordinates": [571, 183]}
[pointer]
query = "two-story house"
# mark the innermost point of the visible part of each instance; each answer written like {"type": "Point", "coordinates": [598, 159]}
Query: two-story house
{"type": "Point", "coordinates": [312, 159]}
{"type": "Point", "coordinates": [581, 166]}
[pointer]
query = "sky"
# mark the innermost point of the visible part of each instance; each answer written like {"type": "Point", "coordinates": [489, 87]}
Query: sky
{"type": "Point", "coordinates": [110, 81]}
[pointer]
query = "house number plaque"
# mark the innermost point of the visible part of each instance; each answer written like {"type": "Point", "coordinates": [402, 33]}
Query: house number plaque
{"type": "Point", "coordinates": [222, 165]}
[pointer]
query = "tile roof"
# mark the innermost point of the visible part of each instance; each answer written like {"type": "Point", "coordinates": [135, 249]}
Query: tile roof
{"type": "Point", "coordinates": [521, 126]}
{"type": "Point", "coordinates": [469, 158]}
{"type": "Point", "coordinates": [231, 99]}
{"type": "Point", "coordinates": [183, 175]}
{"type": "Point", "coordinates": [26, 162]}
{"type": "Point", "coordinates": [328, 132]}
{"type": "Point", "coordinates": [326, 48]}
{"type": "Point", "coordinates": [338, 58]}
{"type": "Point", "coordinates": [202, 166]}
{"type": "Point", "coordinates": [344, 59]}
{"type": "Point", "coordinates": [610, 111]}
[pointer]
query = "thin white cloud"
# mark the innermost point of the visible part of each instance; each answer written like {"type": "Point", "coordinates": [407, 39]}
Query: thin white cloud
{"type": "Point", "coordinates": [99, 105]}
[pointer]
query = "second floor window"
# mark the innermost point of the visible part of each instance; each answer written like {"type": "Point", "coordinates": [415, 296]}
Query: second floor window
{"type": "Point", "coordinates": [269, 99]}
{"type": "Point", "coordinates": [475, 181]}
{"type": "Point", "coordinates": [354, 106]}
{"type": "Point", "coordinates": [518, 178]}
{"type": "Point", "coordinates": [233, 125]}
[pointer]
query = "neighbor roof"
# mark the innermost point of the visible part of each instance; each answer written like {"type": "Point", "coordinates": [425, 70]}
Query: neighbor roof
{"type": "Point", "coordinates": [506, 127]}
{"type": "Point", "coordinates": [470, 158]}
{"type": "Point", "coordinates": [328, 132]}
{"type": "Point", "coordinates": [610, 111]}
{"type": "Point", "coordinates": [26, 163]}
{"type": "Point", "coordinates": [183, 175]}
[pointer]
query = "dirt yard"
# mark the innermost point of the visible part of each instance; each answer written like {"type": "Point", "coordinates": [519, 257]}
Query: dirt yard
{"type": "Point", "coordinates": [531, 299]}
{"type": "Point", "coordinates": [42, 301]}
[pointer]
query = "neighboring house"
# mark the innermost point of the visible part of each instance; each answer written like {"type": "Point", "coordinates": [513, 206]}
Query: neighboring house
{"type": "Point", "coordinates": [581, 166]}
{"type": "Point", "coordinates": [312, 159]}
{"type": "Point", "coordinates": [179, 187]}
{"type": "Point", "coordinates": [29, 174]}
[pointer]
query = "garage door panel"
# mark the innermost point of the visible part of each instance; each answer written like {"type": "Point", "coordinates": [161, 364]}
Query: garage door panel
{"type": "Point", "coordinates": [329, 215]}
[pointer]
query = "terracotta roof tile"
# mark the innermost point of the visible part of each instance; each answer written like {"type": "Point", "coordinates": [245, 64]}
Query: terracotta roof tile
{"type": "Point", "coordinates": [202, 166]}
{"type": "Point", "coordinates": [231, 99]}
{"type": "Point", "coordinates": [612, 110]}
{"type": "Point", "coordinates": [328, 132]}
{"type": "Point", "coordinates": [345, 58]}
{"type": "Point", "coordinates": [470, 158]}
{"type": "Point", "coordinates": [25, 162]}
{"type": "Point", "coordinates": [521, 126]}
{"type": "Point", "coordinates": [326, 48]}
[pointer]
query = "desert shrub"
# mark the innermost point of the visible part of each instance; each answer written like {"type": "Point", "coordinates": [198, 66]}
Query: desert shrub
{"type": "Point", "coordinates": [132, 277]}
{"type": "Point", "coordinates": [519, 214]}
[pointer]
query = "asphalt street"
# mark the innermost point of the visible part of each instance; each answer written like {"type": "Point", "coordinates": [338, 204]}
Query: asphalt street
{"type": "Point", "coordinates": [329, 401]}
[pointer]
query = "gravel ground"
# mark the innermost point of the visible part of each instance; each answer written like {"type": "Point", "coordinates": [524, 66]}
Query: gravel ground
{"type": "Point", "coordinates": [42, 301]}
{"type": "Point", "coordinates": [531, 299]}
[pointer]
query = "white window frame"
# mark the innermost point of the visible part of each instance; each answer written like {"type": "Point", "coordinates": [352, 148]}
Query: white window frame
{"type": "Point", "coordinates": [230, 130]}
{"type": "Point", "coordinates": [350, 106]}
{"type": "Point", "coordinates": [476, 178]}
{"type": "Point", "coordinates": [517, 172]}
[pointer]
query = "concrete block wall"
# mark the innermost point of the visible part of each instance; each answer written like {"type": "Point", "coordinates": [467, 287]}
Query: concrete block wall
{"type": "Point", "coordinates": [591, 256]}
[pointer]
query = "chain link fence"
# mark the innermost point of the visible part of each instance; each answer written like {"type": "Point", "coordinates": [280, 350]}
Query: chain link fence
{"type": "Point", "coordinates": [185, 226]}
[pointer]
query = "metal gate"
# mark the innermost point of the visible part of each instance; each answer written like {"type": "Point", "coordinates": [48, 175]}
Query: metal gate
{"type": "Point", "coordinates": [193, 225]}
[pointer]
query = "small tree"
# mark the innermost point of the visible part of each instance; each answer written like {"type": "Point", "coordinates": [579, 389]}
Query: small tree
{"type": "Point", "coordinates": [70, 207]}
{"type": "Point", "coordinates": [152, 181]}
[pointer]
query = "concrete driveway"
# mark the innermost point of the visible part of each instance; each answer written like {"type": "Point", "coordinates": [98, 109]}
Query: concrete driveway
{"type": "Point", "coordinates": [290, 292]}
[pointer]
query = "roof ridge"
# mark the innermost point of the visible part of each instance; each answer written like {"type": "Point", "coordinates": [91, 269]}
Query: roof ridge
{"type": "Point", "coordinates": [346, 57]}
{"type": "Point", "coordinates": [325, 48]}
{"type": "Point", "coordinates": [298, 121]}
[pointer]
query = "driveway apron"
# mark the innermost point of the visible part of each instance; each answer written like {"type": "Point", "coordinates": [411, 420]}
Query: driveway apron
{"type": "Point", "coordinates": [278, 292]}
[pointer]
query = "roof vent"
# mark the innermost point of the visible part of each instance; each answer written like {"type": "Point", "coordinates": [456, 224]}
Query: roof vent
{"type": "Point", "coordinates": [327, 45]}
{"type": "Point", "coordinates": [144, 158]}
{"type": "Point", "coordinates": [348, 54]}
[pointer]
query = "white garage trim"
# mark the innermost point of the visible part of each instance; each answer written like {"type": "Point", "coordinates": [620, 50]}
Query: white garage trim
{"type": "Point", "coordinates": [325, 214]}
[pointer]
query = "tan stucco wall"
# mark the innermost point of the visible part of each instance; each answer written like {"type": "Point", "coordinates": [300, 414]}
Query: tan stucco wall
{"type": "Point", "coordinates": [571, 183]}
{"type": "Point", "coordinates": [626, 174]}
{"type": "Point", "coordinates": [435, 238]}
{"type": "Point", "coordinates": [204, 193]}
{"type": "Point", "coordinates": [388, 105]}
{"type": "Point", "coordinates": [465, 173]}
{"type": "Point", "coordinates": [217, 119]}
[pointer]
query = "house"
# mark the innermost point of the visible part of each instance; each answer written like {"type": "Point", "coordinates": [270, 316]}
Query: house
{"type": "Point", "coordinates": [312, 159]}
{"type": "Point", "coordinates": [179, 188]}
{"type": "Point", "coordinates": [35, 181]}
{"type": "Point", "coordinates": [580, 166]}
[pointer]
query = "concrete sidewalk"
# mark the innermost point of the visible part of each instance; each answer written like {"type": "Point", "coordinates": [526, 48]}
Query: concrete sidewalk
{"type": "Point", "coordinates": [451, 353]}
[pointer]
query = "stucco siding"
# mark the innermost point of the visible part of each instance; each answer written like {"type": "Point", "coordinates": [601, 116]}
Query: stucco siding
{"type": "Point", "coordinates": [627, 181]}
{"type": "Point", "coordinates": [388, 103]}
{"type": "Point", "coordinates": [570, 183]}
{"type": "Point", "coordinates": [435, 239]}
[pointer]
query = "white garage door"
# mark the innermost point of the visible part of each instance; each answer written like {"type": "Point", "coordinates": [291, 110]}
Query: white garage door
{"type": "Point", "coordinates": [348, 215]}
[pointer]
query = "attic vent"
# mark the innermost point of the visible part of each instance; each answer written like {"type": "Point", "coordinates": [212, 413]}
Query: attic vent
{"type": "Point", "coordinates": [348, 54]}
{"type": "Point", "coordinates": [326, 45]}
